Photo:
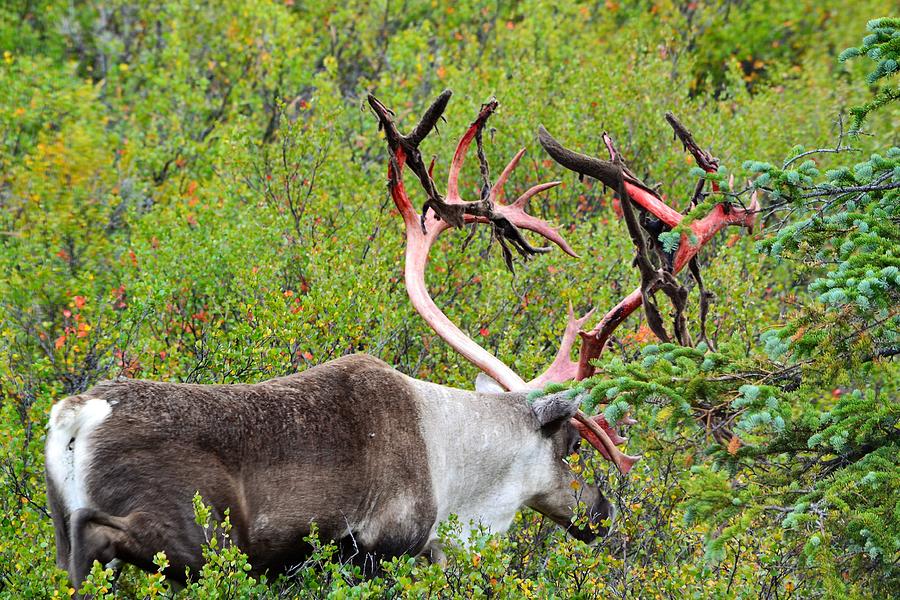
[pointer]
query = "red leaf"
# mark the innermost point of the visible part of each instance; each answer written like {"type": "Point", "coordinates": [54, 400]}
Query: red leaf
{"type": "Point", "coordinates": [617, 207]}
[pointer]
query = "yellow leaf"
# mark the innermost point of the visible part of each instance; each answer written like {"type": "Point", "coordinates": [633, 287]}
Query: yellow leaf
{"type": "Point", "coordinates": [664, 413]}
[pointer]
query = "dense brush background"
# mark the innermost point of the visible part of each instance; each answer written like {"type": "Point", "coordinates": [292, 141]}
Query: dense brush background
{"type": "Point", "coordinates": [196, 192]}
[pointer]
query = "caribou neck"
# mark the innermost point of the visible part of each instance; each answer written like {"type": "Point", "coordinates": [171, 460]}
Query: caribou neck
{"type": "Point", "coordinates": [476, 472]}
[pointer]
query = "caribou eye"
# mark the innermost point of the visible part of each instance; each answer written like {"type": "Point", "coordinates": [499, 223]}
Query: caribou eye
{"type": "Point", "coordinates": [574, 444]}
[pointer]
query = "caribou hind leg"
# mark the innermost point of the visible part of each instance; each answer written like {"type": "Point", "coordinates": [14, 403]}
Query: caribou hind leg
{"type": "Point", "coordinates": [134, 539]}
{"type": "Point", "coordinates": [93, 536]}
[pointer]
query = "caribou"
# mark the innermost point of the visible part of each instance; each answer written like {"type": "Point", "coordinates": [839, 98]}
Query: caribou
{"type": "Point", "coordinates": [374, 458]}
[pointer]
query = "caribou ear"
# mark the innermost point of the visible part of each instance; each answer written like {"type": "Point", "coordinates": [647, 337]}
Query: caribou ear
{"type": "Point", "coordinates": [552, 410]}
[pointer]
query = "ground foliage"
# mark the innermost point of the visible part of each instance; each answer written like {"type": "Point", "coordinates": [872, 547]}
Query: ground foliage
{"type": "Point", "coordinates": [197, 193]}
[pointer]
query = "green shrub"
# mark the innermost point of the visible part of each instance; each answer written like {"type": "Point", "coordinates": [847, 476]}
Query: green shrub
{"type": "Point", "coordinates": [194, 192]}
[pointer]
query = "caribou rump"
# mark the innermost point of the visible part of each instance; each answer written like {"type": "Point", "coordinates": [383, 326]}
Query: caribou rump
{"type": "Point", "coordinates": [375, 458]}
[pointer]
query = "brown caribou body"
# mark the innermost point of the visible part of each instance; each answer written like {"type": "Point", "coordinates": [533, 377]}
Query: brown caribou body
{"type": "Point", "coordinates": [374, 458]}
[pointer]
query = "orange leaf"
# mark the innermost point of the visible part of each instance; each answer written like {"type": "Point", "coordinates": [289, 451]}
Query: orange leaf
{"type": "Point", "coordinates": [733, 445]}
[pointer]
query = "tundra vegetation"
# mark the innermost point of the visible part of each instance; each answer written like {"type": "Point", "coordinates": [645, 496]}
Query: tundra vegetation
{"type": "Point", "coordinates": [196, 192]}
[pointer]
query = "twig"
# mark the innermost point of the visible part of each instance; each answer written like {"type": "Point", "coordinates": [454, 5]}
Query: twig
{"type": "Point", "coordinates": [819, 151]}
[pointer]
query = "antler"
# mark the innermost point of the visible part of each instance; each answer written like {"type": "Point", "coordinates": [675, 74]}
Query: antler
{"type": "Point", "coordinates": [615, 175]}
{"type": "Point", "coordinates": [439, 214]}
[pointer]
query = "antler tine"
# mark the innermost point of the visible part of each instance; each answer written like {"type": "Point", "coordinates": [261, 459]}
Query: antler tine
{"type": "Point", "coordinates": [430, 119]}
{"type": "Point", "coordinates": [594, 341]}
{"type": "Point", "coordinates": [409, 142]}
{"type": "Point", "coordinates": [515, 212]}
{"type": "Point", "coordinates": [705, 160]}
{"type": "Point", "coordinates": [602, 170]}
{"type": "Point", "coordinates": [606, 446]}
{"type": "Point", "coordinates": [528, 194]}
{"type": "Point", "coordinates": [497, 190]}
{"type": "Point", "coordinates": [563, 368]}
{"type": "Point", "coordinates": [614, 436]}
{"type": "Point", "coordinates": [405, 148]}
{"type": "Point", "coordinates": [487, 109]}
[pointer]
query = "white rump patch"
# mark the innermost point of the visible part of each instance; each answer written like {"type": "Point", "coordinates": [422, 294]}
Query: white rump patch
{"type": "Point", "coordinates": [72, 420]}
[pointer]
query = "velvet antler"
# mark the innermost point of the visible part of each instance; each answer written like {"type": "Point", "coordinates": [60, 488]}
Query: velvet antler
{"type": "Point", "coordinates": [615, 175]}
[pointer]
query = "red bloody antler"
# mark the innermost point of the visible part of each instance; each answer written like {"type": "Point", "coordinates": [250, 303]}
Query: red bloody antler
{"type": "Point", "coordinates": [439, 214]}
{"type": "Point", "coordinates": [613, 174]}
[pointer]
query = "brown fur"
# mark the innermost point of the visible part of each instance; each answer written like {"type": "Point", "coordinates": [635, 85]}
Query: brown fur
{"type": "Point", "coordinates": [339, 445]}
{"type": "Point", "coordinates": [307, 447]}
